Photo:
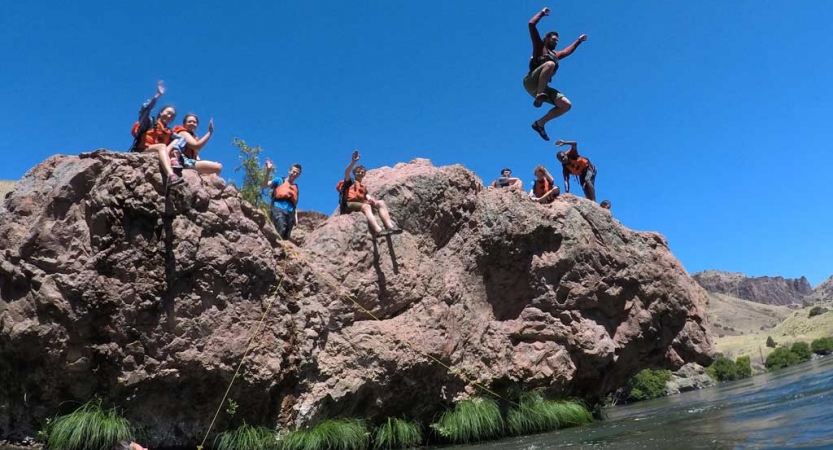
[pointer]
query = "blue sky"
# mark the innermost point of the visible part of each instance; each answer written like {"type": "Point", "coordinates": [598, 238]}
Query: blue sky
{"type": "Point", "coordinates": [709, 121]}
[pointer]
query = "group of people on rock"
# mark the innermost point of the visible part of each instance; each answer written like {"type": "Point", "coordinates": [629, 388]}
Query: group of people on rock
{"type": "Point", "coordinates": [544, 189]}
{"type": "Point", "coordinates": [179, 148]}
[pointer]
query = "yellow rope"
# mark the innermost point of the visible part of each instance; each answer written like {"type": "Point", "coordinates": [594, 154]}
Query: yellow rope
{"type": "Point", "coordinates": [365, 310]}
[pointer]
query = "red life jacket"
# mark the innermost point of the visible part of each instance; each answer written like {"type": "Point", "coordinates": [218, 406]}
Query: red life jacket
{"type": "Point", "coordinates": [187, 151]}
{"type": "Point", "coordinates": [356, 193]}
{"type": "Point", "coordinates": [541, 187]}
{"type": "Point", "coordinates": [158, 134]}
{"type": "Point", "coordinates": [286, 191]}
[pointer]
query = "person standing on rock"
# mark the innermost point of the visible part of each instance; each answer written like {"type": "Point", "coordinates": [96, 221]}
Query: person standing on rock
{"type": "Point", "coordinates": [153, 135]}
{"type": "Point", "coordinates": [507, 180]}
{"type": "Point", "coordinates": [542, 67]}
{"type": "Point", "coordinates": [283, 194]}
{"type": "Point", "coordinates": [353, 197]}
{"type": "Point", "coordinates": [581, 167]}
{"type": "Point", "coordinates": [190, 145]}
{"type": "Point", "coordinates": [543, 189]}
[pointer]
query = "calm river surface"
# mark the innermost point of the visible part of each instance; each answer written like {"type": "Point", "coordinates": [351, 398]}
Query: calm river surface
{"type": "Point", "coordinates": [791, 408]}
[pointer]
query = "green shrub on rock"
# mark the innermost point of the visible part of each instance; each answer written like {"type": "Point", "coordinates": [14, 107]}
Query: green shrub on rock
{"type": "Point", "coordinates": [88, 427]}
{"type": "Point", "coordinates": [336, 434]}
{"type": "Point", "coordinates": [648, 384]}
{"type": "Point", "coordinates": [534, 414]}
{"type": "Point", "coordinates": [397, 433]}
{"type": "Point", "coordinates": [246, 437]}
{"type": "Point", "coordinates": [471, 421]}
{"type": "Point", "coordinates": [822, 346]}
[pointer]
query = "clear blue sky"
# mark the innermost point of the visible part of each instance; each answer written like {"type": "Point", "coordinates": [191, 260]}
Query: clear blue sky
{"type": "Point", "coordinates": [709, 121]}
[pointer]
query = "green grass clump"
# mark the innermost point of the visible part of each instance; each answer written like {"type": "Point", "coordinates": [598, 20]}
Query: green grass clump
{"type": "Point", "coordinates": [339, 434]}
{"type": "Point", "coordinates": [470, 421]}
{"type": "Point", "coordinates": [247, 437]}
{"type": "Point", "coordinates": [88, 428]}
{"type": "Point", "coordinates": [534, 414]}
{"type": "Point", "coordinates": [398, 433]}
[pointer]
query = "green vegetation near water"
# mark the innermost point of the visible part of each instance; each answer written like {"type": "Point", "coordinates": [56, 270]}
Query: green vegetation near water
{"type": "Point", "coordinates": [724, 369]}
{"type": "Point", "coordinates": [648, 384]}
{"type": "Point", "coordinates": [534, 414]}
{"type": "Point", "coordinates": [89, 427]}
{"type": "Point", "coordinates": [247, 437]}
{"type": "Point", "coordinates": [398, 433]}
{"type": "Point", "coordinates": [471, 421]}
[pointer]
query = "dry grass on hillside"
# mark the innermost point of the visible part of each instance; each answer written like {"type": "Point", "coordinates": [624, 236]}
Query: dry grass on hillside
{"type": "Point", "coordinates": [731, 316]}
{"type": "Point", "coordinates": [797, 326]}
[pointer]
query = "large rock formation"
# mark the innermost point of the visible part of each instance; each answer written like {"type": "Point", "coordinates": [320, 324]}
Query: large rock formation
{"type": "Point", "coordinates": [767, 290]}
{"type": "Point", "coordinates": [5, 188]}
{"type": "Point", "coordinates": [823, 292]}
{"type": "Point", "coordinates": [110, 288]}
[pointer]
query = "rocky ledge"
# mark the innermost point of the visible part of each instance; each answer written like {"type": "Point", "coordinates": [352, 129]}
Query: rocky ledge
{"type": "Point", "coordinates": [109, 288]}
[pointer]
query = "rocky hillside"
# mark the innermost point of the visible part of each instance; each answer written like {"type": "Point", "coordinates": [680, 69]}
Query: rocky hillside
{"type": "Point", "coordinates": [766, 290]}
{"type": "Point", "coordinates": [823, 293]}
{"type": "Point", "coordinates": [110, 288]}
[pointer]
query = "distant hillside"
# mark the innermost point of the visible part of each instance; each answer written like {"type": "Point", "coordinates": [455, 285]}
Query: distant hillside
{"type": "Point", "coordinates": [5, 188]}
{"type": "Point", "coordinates": [823, 293]}
{"type": "Point", "coordinates": [766, 290]}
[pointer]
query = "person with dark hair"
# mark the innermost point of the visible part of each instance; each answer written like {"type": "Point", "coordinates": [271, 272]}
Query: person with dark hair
{"type": "Point", "coordinates": [542, 67]}
{"type": "Point", "coordinates": [353, 197]}
{"type": "Point", "coordinates": [507, 180]}
{"type": "Point", "coordinates": [153, 135]}
{"type": "Point", "coordinates": [574, 164]}
{"type": "Point", "coordinates": [189, 145]}
{"type": "Point", "coordinates": [543, 189]}
{"type": "Point", "coordinates": [283, 197]}
{"type": "Point", "coordinates": [605, 204]}
{"type": "Point", "coordinates": [127, 445]}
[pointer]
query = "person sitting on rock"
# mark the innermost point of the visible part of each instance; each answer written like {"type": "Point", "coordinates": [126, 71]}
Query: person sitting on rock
{"type": "Point", "coordinates": [353, 197]}
{"type": "Point", "coordinates": [506, 180]}
{"type": "Point", "coordinates": [189, 145]}
{"type": "Point", "coordinates": [543, 189]}
{"type": "Point", "coordinates": [283, 196]}
{"type": "Point", "coordinates": [579, 166]}
{"type": "Point", "coordinates": [127, 445]}
{"type": "Point", "coordinates": [605, 204]}
{"type": "Point", "coordinates": [153, 135]}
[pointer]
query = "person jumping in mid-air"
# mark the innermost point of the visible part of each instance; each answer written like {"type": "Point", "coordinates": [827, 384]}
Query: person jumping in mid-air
{"type": "Point", "coordinates": [542, 67]}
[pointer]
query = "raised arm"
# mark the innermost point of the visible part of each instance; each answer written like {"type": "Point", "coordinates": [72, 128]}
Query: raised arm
{"type": "Point", "coordinates": [568, 50]}
{"type": "Point", "coordinates": [147, 107]}
{"type": "Point", "coordinates": [533, 29]}
{"type": "Point", "coordinates": [267, 175]}
{"type": "Point", "coordinates": [573, 151]}
{"type": "Point", "coordinates": [353, 160]}
{"type": "Point", "coordinates": [198, 144]}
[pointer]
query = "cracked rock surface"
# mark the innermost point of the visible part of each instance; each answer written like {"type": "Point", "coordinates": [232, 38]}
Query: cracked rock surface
{"type": "Point", "coordinates": [110, 288]}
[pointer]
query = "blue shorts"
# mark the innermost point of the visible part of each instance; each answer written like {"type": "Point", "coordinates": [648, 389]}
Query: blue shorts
{"type": "Point", "coordinates": [189, 163]}
{"type": "Point", "coordinates": [588, 175]}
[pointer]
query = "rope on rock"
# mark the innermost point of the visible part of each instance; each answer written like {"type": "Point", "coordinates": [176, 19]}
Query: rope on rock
{"type": "Point", "coordinates": [340, 291]}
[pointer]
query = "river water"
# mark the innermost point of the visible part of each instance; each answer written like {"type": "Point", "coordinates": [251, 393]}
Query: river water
{"type": "Point", "coordinates": [789, 408]}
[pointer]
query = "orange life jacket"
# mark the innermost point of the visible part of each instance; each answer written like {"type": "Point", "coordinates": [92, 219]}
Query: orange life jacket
{"type": "Point", "coordinates": [187, 151]}
{"type": "Point", "coordinates": [286, 191]}
{"type": "Point", "coordinates": [541, 187]}
{"type": "Point", "coordinates": [577, 166]}
{"type": "Point", "coordinates": [356, 193]}
{"type": "Point", "coordinates": [159, 134]}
